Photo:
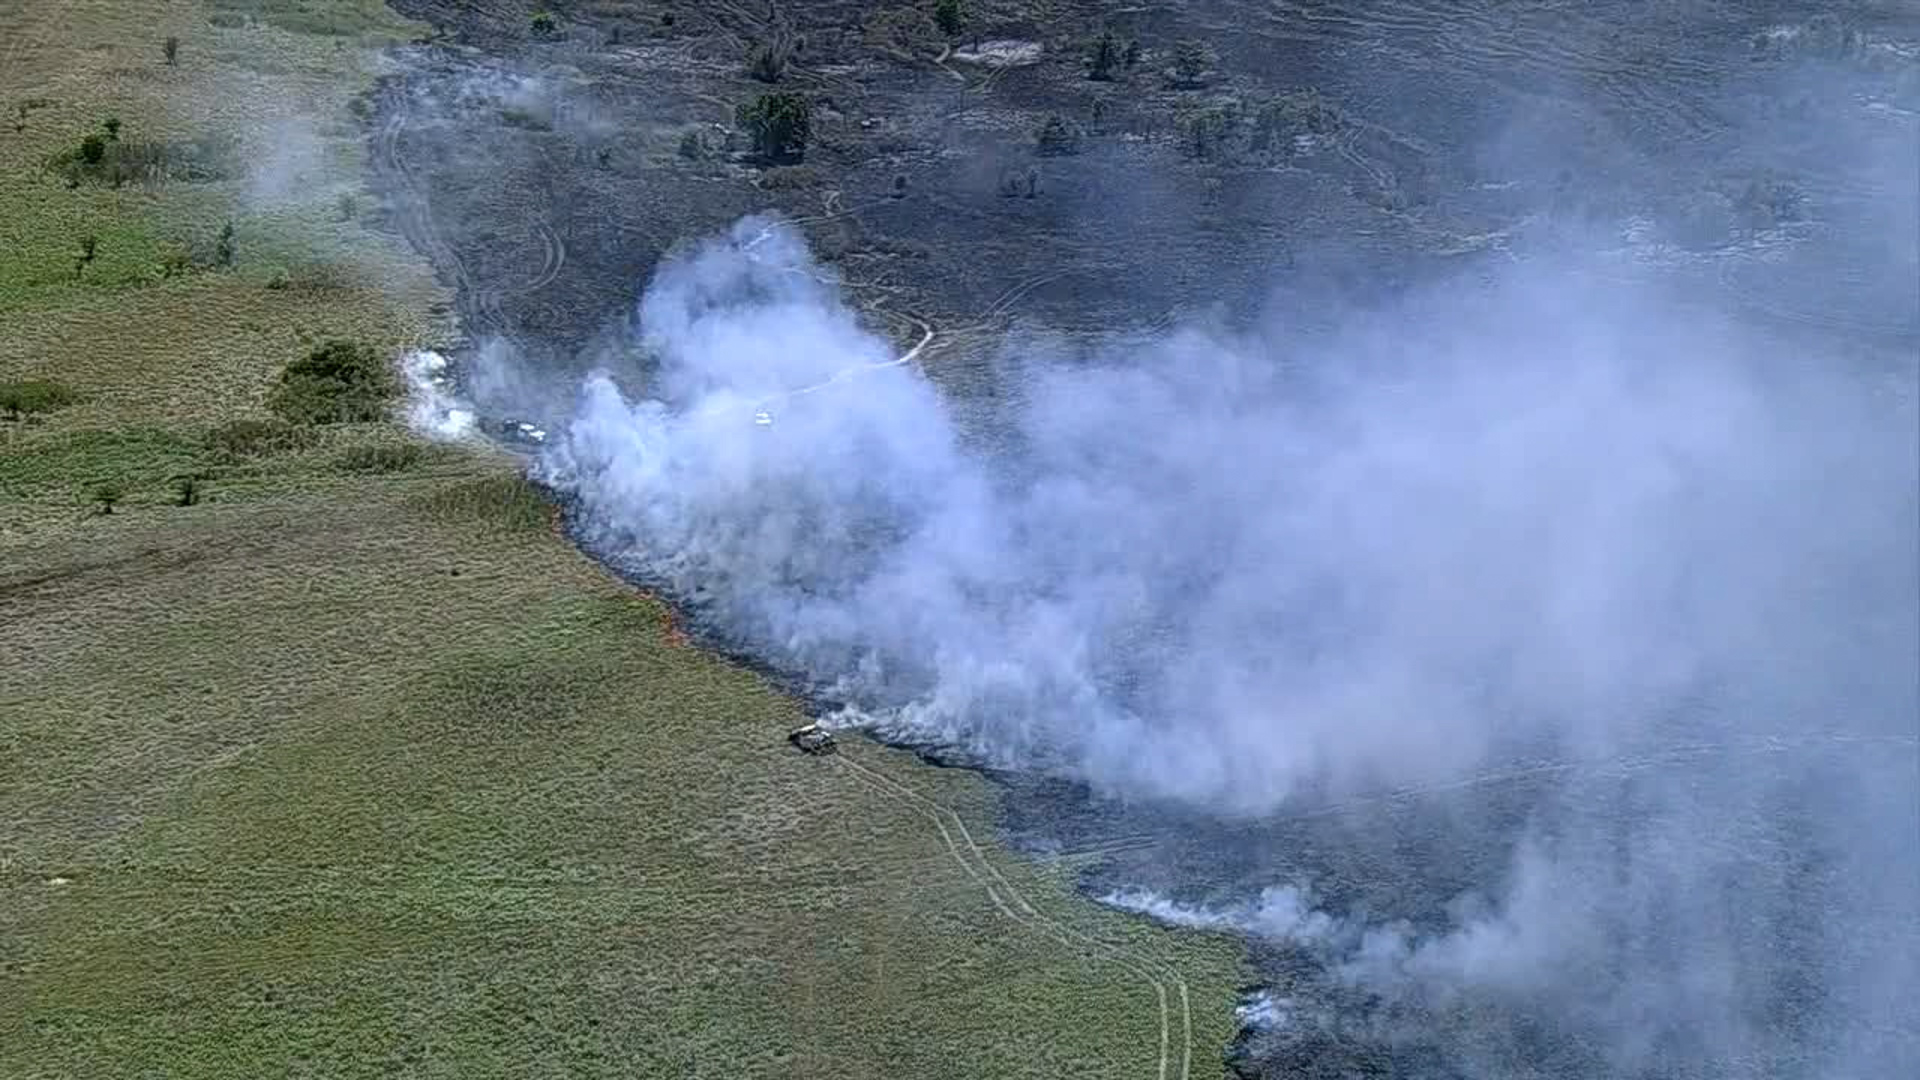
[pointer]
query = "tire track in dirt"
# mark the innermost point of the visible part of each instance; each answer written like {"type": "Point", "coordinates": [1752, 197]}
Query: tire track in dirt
{"type": "Point", "coordinates": [415, 214]}
{"type": "Point", "coordinates": [414, 209]}
{"type": "Point", "coordinates": [1009, 901]}
{"type": "Point", "coordinates": [553, 256]}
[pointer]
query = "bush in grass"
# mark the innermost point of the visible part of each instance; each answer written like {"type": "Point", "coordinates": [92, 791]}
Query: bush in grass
{"type": "Point", "coordinates": [34, 396]}
{"type": "Point", "coordinates": [341, 382]}
{"type": "Point", "coordinates": [241, 439]}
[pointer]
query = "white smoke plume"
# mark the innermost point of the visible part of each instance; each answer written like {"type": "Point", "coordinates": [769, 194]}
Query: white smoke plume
{"type": "Point", "coordinates": [1622, 535]}
{"type": "Point", "coordinates": [1226, 567]}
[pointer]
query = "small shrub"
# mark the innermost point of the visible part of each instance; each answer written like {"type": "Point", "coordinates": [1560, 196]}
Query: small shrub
{"type": "Point", "coordinates": [105, 495]}
{"type": "Point", "coordinates": [1131, 55]}
{"type": "Point", "coordinates": [347, 207]}
{"type": "Point", "coordinates": [170, 49]}
{"type": "Point", "coordinates": [778, 124]}
{"type": "Point", "coordinates": [111, 125]}
{"type": "Point", "coordinates": [900, 185]}
{"type": "Point", "coordinates": [1105, 56]}
{"type": "Point", "coordinates": [1056, 137]}
{"type": "Point", "coordinates": [93, 150]}
{"type": "Point", "coordinates": [186, 490]}
{"type": "Point", "coordinates": [339, 382]}
{"type": "Point", "coordinates": [89, 246]}
{"type": "Point", "coordinates": [949, 16]}
{"type": "Point", "coordinates": [692, 147]}
{"type": "Point", "coordinates": [33, 397]}
{"type": "Point", "coordinates": [238, 440]}
{"type": "Point", "coordinates": [223, 247]}
{"type": "Point", "coordinates": [543, 25]}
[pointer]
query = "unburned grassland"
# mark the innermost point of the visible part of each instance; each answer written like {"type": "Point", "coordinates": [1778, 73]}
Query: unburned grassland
{"type": "Point", "coordinates": [352, 766]}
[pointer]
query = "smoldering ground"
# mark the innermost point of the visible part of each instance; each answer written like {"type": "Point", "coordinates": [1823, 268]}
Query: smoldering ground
{"type": "Point", "coordinates": [1567, 624]}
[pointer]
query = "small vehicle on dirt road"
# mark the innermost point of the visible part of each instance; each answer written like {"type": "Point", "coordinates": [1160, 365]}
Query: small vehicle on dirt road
{"type": "Point", "coordinates": [812, 739]}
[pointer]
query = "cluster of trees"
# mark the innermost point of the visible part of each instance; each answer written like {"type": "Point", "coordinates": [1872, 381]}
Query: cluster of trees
{"type": "Point", "coordinates": [1107, 59]}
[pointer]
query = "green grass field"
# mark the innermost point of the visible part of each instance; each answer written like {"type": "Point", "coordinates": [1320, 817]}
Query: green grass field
{"type": "Point", "coordinates": [353, 767]}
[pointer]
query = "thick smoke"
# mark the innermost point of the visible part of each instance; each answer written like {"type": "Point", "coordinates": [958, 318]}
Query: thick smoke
{"type": "Point", "coordinates": [1672, 558]}
{"type": "Point", "coordinates": [1627, 547]}
{"type": "Point", "coordinates": [1224, 567]}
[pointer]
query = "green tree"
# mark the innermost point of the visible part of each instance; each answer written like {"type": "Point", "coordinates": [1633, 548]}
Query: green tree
{"type": "Point", "coordinates": [779, 125]}
{"type": "Point", "coordinates": [93, 150]}
{"type": "Point", "coordinates": [949, 16]}
{"type": "Point", "coordinates": [1106, 54]}
{"type": "Point", "coordinates": [544, 25]}
{"type": "Point", "coordinates": [112, 127]}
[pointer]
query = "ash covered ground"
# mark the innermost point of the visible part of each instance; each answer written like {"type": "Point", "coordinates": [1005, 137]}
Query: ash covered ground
{"type": "Point", "coordinates": [1432, 492]}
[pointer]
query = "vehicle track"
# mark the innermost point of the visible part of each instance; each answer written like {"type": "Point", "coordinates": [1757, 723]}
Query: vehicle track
{"type": "Point", "coordinates": [553, 256]}
{"type": "Point", "coordinates": [417, 224]}
{"type": "Point", "coordinates": [1009, 901]}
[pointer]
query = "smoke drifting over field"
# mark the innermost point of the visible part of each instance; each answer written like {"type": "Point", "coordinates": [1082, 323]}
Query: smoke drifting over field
{"type": "Point", "coordinates": [1222, 568]}
{"type": "Point", "coordinates": [1239, 572]}
{"type": "Point", "coordinates": [1624, 546]}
